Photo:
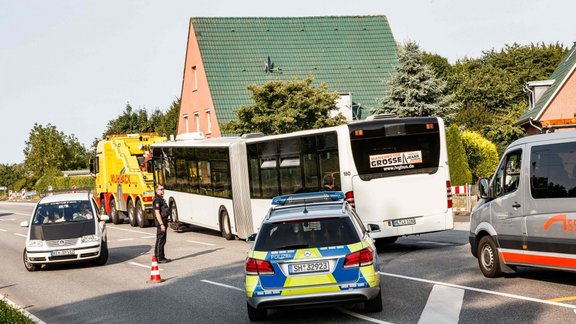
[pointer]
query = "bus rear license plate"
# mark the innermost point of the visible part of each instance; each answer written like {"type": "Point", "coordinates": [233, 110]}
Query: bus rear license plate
{"type": "Point", "coordinates": [62, 252]}
{"type": "Point", "coordinates": [404, 222]}
{"type": "Point", "coordinates": [308, 267]}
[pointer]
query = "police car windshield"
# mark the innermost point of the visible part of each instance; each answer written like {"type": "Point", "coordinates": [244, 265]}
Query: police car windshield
{"type": "Point", "coordinates": [309, 233]}
{"type": "Point", "coordinates": [63, 212]}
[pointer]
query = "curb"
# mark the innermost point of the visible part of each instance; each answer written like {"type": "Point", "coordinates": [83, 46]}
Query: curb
{"type": "Point", "coordinates": [21, 310]}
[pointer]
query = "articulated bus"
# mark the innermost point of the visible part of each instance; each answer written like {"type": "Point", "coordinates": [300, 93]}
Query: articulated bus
{"type": "Point", "coordinates": [394, 171]}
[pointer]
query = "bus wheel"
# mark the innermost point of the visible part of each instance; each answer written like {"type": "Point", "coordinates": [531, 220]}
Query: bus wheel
{"type": "Point", "coordinates": [225, 226]}
{"type": "Point", "coordinates": [140, 215]}
{"type": "Point", "coordinates": [174, 214]}
{"type": "Point", "coordinates": [132, 214]}
{"type": "Point", "coordinates": [488, 257]}
{"type": "Point", "coordinates": [114, 214]}
{"type": "Point", "coordinates": [103, 208]}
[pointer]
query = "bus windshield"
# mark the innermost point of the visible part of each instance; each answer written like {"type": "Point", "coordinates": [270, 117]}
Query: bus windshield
{"type": "Point", "coordinates": [395, 147]}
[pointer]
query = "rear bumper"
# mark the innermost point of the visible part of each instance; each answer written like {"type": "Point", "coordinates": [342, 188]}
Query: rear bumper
{"type": "Point", "coordinates": [424, 224]}
{"type": "Point", "coordinates": [317, 299]}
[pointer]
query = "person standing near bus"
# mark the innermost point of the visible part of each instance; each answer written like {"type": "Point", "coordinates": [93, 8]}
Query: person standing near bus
{"type": "Point", "coordinates": [161, 213]}
{"type": "Point", "coordinates": [327, 183]}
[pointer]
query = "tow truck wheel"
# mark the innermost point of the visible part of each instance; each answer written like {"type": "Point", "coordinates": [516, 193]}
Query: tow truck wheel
{"type": "Point", "coordinates": [225, 226]}
{"type": "Point", "coordinates": [29, 266]}
{"type": "Point", "coordinates": [488, 259]}
{"type": "Point", "coordinates": [103, 208]}
{"type": "Point", "coordinates": [132, 215]}
{"type": "Point", "coordinates": [255, 314]}
{"type": "Point", "coordinates": [140, 215]}
{"type": "Point", "coordinates": [114, 214]}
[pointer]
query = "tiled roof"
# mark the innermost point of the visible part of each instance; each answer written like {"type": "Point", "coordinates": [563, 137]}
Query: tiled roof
{"type": "Point", "coordinates": [351, 54]}
{"type": "Point", "coordinates": [559, 76]}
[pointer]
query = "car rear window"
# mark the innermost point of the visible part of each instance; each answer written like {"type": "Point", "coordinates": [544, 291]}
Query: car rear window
{"type": "Point", "coordinates": [302, 234]}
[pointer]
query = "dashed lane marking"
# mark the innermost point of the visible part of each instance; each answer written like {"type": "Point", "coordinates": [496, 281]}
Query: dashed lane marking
{"type": "Point", "coordinates": [125, 239]}
{"type": "Point", "coordinates": [125, 230]}
{"type": "Point", "coordinates": [143, 266]}
{"type": "Point", "coordinates": [18, 234]}
{"type": "Point", "coordinates": [443, 305]}
{"type": "Point", "coordinates": [148, 237]}
{"type": "Point", "coordinates": [3, 230]}
{"type": "Point", "coordinates": [203, 243]}
{"type": "Point", "coordinates": [222, 285]}
{"type": "Point", "coordinates": [536, 300]}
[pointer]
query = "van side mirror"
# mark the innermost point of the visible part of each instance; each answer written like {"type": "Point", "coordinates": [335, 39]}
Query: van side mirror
{"type": "Point", "coordinates": [251, 238]}
{"type": "Point", "coordinates": [484, 188]}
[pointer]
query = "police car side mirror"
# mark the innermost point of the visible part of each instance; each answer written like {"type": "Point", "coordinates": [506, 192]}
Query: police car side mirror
{"type": "Point", "coordinates": [104, 218]}
{"type": "Point", "coordinates": [373, 228]}
{"type": "Point", "coordinates": [251, 238]}
{"type": "Point", "coordinates": [24, 224]}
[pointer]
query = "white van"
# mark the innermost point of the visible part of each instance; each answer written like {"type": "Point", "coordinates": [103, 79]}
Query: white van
{"type": "Point", "coordinates": [527, 214]}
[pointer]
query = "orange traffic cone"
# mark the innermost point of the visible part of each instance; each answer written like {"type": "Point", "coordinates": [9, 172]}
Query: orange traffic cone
{"type": "Point", "coordinates": [154, 273]}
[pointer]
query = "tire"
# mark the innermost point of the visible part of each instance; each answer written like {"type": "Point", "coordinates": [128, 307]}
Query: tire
{"type": "Point", "coordinates": [256, 314]}
{"type": "Point", "coordinates": [387, 240]}
{"type": "Point", "coordinates": [114, 214]}
{"type": "Point", "coordinates": [174, 216]}
{"type": "Point", "coordinates": [103, 258]}
{"type": "Point", "coordinates": [103, 209]}
{"type": "Point", "coordinates": [29, 266]}
{"type": "Point", "coordinates": [374, 305]}
{"type": "Point", "coordinates": [141, 215]}
{"type": "Point", "coordinates": [488, 258]}
{"type": "Point", "coordinates": [132, 214]}
{"type": "Point", "coordinates": [225, 226]}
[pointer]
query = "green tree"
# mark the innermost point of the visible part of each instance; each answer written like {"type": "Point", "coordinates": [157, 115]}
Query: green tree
{"type": "Point", "coordinates": [460, 173]}
{"type": "Point", "coordinates": [10, 174]}
{"type": "Point", "coordinates": [75, 154]}
{"type": "Point", "coordinates": [45, 149]}
{"type": "Point", "coordinates": [414, 90]}
{"type": "Point", "coordinates": [286, 106]}
{"type": "Point", "coordinates": [129, 122]}
{"type": "Point", "coordinates": [482, 154]}
{"type": "Point", "coordinates": [439, 64]}
{"type": "Point", "coordinates": [169, 122]}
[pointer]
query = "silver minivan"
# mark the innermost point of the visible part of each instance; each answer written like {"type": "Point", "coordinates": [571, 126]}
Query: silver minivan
{"type": "Point", "coordinates": [527, 212]}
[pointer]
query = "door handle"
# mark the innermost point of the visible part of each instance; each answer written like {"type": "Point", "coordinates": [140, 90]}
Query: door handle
{"type": "Point", "coordinates": [516, 205]}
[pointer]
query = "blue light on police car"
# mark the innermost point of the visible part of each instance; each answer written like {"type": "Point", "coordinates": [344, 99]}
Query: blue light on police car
{"type": "Point", "coordinates": [309, 197]}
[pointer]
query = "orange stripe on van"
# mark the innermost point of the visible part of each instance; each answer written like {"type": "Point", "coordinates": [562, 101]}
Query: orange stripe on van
{"type": "Point", "coordinates": [538, 260]}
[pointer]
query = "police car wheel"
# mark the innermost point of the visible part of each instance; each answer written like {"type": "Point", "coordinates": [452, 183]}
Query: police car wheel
{"type": "Point", "coordinates": [29, 266]}
{"type": "Point", "coordinates": [132, 215]}
{"type": "Point", "coordinates": [374, 305]}
{"type": "Point", "coordinates": [140, 215]}
{"type": "Point", "coordinates": [225, 226]}
{"type": "Point", "coordinates": [488, 259]}
{"type": "Point", "coordinates": [255, 314]}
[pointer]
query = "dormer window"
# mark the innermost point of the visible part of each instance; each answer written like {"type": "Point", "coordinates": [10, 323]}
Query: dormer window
{"type": "Point", "coordinates": [535, 91]}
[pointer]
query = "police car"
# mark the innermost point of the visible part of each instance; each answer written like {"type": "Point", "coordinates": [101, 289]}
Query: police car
{"type": "Point", "coordinates": [311, 249]}
{"type": "Point", "coordinates": [64, 228]}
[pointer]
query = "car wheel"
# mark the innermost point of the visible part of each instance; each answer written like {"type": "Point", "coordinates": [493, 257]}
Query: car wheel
{"type": "Point", "coordinates": [103, 258]}
{"type": "Point", "coordinates": [175, 219]}
{"type": "Point", "coordinates": [29, 266]}
{"type": "Point", "coordinates": [374, 305]}
{"type": "Point", "coordinates": [488, 258]}
{"type": "Point", "coordinates": [255, 314]}
{"type": "Point", "coordinates": [225, 226]}
{"type": "Point", "coordinates": [114, 214]}
{"type": "Point", "coordinates": [132, 215]}
{"type": "Point", "coordinates": [103, 208]}
{"type": "Point", "coordinates": [140, 215]}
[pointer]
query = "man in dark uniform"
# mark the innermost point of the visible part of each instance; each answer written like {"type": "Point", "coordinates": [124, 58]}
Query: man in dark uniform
{"type": "Point", "coordinates": [161, 213]}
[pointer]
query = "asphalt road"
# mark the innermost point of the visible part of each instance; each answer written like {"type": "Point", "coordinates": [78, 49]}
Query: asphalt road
{"type": "Point", "coordinates": [430, 278]}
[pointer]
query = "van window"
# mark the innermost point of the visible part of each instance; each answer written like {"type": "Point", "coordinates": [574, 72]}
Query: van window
{"type": "Point", "coordinates": [553, 171]}
{"type": "Point", "coordinates": [507, 177]}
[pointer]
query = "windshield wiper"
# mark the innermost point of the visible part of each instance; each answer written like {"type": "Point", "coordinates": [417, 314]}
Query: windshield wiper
{"type": "Point", "coordinates": [293, 246]}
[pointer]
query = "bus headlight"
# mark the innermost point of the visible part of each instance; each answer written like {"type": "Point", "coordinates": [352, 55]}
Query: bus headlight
{"type": "Point", "coordinates": [90, 238]}
{"type": "Point", "coordinates": [35, 243]}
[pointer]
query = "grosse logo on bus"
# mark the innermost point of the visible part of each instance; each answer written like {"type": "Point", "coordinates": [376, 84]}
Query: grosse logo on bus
{"type": "Point", "coordinates": [392, 159]}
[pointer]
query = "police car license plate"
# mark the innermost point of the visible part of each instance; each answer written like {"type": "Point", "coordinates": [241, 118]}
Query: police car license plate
{"type": "Point", "coordinates": [62, 252]}
{"type": "Point", "coordinates": [308, 267]}
{"type": "Point", "coordinates": [404, 222]}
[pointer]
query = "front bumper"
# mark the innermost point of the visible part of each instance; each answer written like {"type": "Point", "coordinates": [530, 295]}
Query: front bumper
{"type": "Point", "coordinates": [44, 256]}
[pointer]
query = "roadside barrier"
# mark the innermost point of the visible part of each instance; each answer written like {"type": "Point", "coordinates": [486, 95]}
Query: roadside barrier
{"type": "Point", "coordinates": [154, 272]}
{"type": "Point", "coordinates": [462, 199]}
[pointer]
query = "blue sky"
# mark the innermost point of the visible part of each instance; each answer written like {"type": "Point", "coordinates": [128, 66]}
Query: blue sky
{"type": "Point", "coordinates": [76, 63]}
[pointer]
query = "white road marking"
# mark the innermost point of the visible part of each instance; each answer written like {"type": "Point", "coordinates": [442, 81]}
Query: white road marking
{"type": "Point", "coordinates": [536, 300]}
{"type": "Point", "coordinates": [435, 243]}
{"type": "Point", "coordinates": [126, 239]}
{"type": "Point", "coordinates": [125, 230]}
{"type": "Point", "coordinates": [18, 234]}
{"type": "Point", "coordinates": [443, 305]}
{"type": "Point", "coordinates": [360, 316]}
{"type": "Point", "coordinates": [147, 237]}
{"type": "Point", "coordinates": [3, 230]}
{"type": "Point", "coordinates": [222, 285]}
{"type": "Point", "coordinates": [143, 266]}
{"type": "Point", "coordinates": [203, 243]}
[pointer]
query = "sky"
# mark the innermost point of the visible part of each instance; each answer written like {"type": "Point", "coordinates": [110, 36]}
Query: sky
{"type": "Point", "coordinates": [75, 64]}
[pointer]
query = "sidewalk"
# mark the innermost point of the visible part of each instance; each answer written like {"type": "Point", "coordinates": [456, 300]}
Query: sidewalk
{"type": "Point", "coordinates": [462, 222]}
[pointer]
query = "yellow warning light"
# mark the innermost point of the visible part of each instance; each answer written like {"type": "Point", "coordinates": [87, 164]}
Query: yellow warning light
{"type": "Point", "coordinates": [359, 132]}
{"type": "Point", "coordinates": [429, 126]}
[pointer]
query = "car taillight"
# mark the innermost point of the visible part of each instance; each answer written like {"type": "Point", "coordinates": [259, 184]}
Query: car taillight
{"type": "Point", "coordinates": [350, 198]}
{"type": "Point", "coordinates": [449, 194]}
{"type": "Point", "coordinates": [147, 198]}
{"type": "Point", "coordinates": [258, 267]}
{"type": "Point", "coordinates": [360, 258]}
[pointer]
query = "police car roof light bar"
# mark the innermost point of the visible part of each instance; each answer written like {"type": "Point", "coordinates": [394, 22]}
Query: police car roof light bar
{"type": "Point", "coordinates": [308, 197]}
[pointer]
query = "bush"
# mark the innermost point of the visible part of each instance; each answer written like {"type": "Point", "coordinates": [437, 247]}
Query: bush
{"type": "Point", "coordinates": [460, 173]}
{"type": "Point", "coordinates": [482, 154]}
{"type": "Point", "coordinates": [48, 179]}
{"type": "Point", "coordinates": [9, 314]}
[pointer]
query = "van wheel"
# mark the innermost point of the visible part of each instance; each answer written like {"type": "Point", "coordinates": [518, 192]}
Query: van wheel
{"type": "Point", "coordinates": [114, 214]}
{"type": "Point", "coordinates": [29, 266]}
{"type": "Point", "coordinates": [103, 208]}
{"type": "Point", "coordinates": [374, 305]}
{"type": "Point", "coordinates": [140, 215]}
{"type": "Point", "coordinates": [488, 258]}
{"type": "Point", "coordinates": [103, 258]}
{"type": "Point", "coordinates": [255, 314]}
{"type": "Point", "coordinates": [225, 226]}
{"type": "Point", "coordinates": [132, 215]}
